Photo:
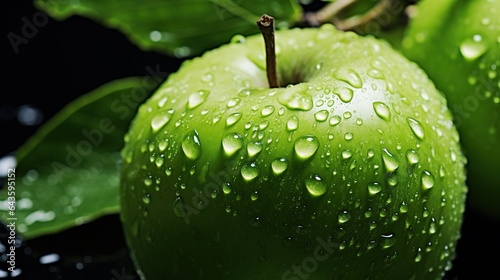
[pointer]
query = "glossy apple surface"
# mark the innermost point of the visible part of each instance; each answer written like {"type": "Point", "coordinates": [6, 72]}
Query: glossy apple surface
{"type": "Point", "coordinates": [352, 170]}
{"type": "Point", "coordinates": [458, 44]}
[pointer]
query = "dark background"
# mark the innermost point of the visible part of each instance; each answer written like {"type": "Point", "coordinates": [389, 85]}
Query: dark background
{"type": "Point", "coordinates": [63, 60]}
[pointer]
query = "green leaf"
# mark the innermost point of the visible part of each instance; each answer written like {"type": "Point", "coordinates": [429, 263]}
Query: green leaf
{"type": "Point", "coordinates": [67, 172]}
{"type": "Point", "coordinates": [178, 27]}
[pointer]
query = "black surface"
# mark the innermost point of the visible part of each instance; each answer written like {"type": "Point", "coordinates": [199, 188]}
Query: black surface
{"type": "Point", "coordinates": [64, 60]}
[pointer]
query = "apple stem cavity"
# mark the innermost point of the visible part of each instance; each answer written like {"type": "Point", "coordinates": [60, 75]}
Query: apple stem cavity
{"type": "Point", "coordinates": [266, 26]}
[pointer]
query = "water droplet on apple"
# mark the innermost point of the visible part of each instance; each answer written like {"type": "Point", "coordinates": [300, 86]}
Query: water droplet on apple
{"type": "Point", "coordinates": [233, 102]}
{"type": "Point", "coordinates": [191, 145]}
{"type": "Point", "coordinates": [279, 166]}
{"type": "Point", "coordinates": [159, 161]}
{"type": "Point", "coordinates": [268, 110]}
{"type": "Point", "coordinates": [249, 171]}
{"type": "Point", "coordinates": [146, 198]}
{"type": "Point", "coordinates": [374, 188]}
{"type": "Point", "coordinates": [315, 185]}
{"type": "Point", "coordinates": [254, 147]}
{"type": "Point", "coordinates": [344, 217]}
{"type": "Point", "coordinates": [412, 156]}
{"type": "Point", "coordinates": [232, 119]}
{"type": "Point", "coordinates": [292, 123]}
{"type": "Point", "coordinates": [348, 136]}
{"type": "Point", "coordinates": [391, 163]}
{"type": "Point", "coordinates": [162, 145]}
{"type": "Point", "coordinates": [382, 110]}
{"type": "Point", "coordinates": [349, 76]}
{"type": "Point", "coordinates": [207, 78]}
{"type": "Point", "coordinates": [232, 143]}
{"type": "Point", "coordinates": [473, 48]}
{"type": "Point", "coordinates": [238, 39]}
{"type": "Point", "coordinates": [306, 146]}
{"type": "Point", "coordinates": [226, 188]}
{"type": "Point", "coordinates": [442, 171]}
{"type": "Point", "coordinates": [376, 74]}
{"type": "Point", "coordinates": [148, 181]}
{"type": "Point", "coordinates": [321, 116]}
{"type": "Point", "coordinates": [168, 171]}
{"type": "Point", "coordinates": [403, 208]}
{"type": "Point", "coordinates": [197, 98]}
{"type": "Point", "coordinates": [161, 119]}
{"type": "Point", "coordinates": [335, 120]}
{"type": "Point", "coordinates": [416, 128]}
{"type": "Point", "coordinates": [345, 94]}
{"type": "Point", "coordinates": [254, 196]}
{"type": "Point", "coordinates": [346, 154]}
{"type": "Point", "coordinates": [388, 240]}
{"type": "Point", "coordinates": [296, 98]}
{"type": "Point", "coordinates": [428, 180]}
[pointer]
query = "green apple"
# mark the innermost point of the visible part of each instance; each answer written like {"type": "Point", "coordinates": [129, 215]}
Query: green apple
{"type": "Point", "coordinates": [351, 170]}
{"type": "Point", "coordinates": [458, 44]}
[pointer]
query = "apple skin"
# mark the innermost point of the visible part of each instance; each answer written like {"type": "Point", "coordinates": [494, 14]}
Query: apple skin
{"type": "Point", "coordinates": [458, 44]}
{"type": "Point", "coordinates": [225, 178]}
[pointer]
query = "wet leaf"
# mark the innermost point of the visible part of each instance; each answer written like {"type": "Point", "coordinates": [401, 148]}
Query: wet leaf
{"type": "Point", "coordinates": [177, 27]}
{"type": "Point", "coordinates": [67, 172]}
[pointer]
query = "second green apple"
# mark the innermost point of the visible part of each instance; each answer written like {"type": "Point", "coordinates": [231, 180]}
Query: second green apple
{"type": "Point", "coordinates": [458, 44]}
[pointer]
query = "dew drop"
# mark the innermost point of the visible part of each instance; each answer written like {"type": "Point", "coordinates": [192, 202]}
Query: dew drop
{"type": "Point", "coordinates": [391, 163]}
{"type": "Point", "coordinates": [226, 188]}
{"type": "Point", "coordinates": [412, 156]}
{"type": "Point", "coordinates": [163, 145]}
{"type": "Point", "coordinates": [197, 98]}
{"type": "Point", "coordinates": [161, 119]}
{"type": "Point", "coordinates": [388, 240]}
{"type": "Point", "coordinates": [315, 185]}
{"type": "Point", "coordinates": [403, 208]}
{"type": "Point", "coordinates": [232, 143]}
{"type": "Point", "coordinates": [146, 198]}
{"type": "Point", "coordinates": [292, 123]}
{"type": "Point", "coordinates": [238, 39]}
{"type": "Point", "coordinates": [250, 171]}
{"type": "Point", "coordinates": [374, 188]}
{"type": "Point", "coordinates": [345, 94]}
{"type": "Point", "coordinates": [428, 180]}
{"type": "Point", "coordinates": [279, 166]}
{"type": "Point", "coordinates": [344, 217]}
{"type": "Point", "coordinates": [349, 76]}
{"type": "Point", "coordinates": [382, 110]}
{"type": "Point", "coordinates": [416, 128]}
{"type": "Point", "coordinates": [348, 136]}
{"type": "Point", "coordinates": [191, 145]}
{"type": "Point", "coordinates": [254, 196]}
{"type": "Point", "coordinates": [306, 146]}
{"type": "Point", "coordinates": [254, 147]}
{"type": "Point", "coordinates": [148, 181]}
{"type": "Point", "coordinates": [267, 111]}
{"type": "Point", "coordinates": [376, 74]}
{"type": "Point", "coordinates": [321, 116]}
{"type": "Point", "coordinates": [232, 119]}
{"type": "Point", "coordinates": [159, 161]}
{"type": "Point", "coordinates": [233, 102]}
{"type": "Point", "coordinates": [295, 98]}
{"type": "Point", "coordinates": [346, 154]}
{"type": "Point", "coordinates": [335, 120]}
{"type": "Point", "coordinates": [472, 49]}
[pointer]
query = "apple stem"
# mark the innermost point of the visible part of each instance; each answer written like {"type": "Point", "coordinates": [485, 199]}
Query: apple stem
{"type": "Point", "coordinates": [266, 26]}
